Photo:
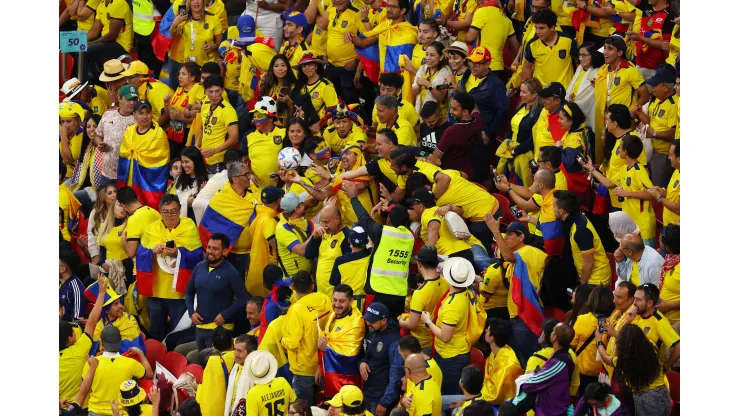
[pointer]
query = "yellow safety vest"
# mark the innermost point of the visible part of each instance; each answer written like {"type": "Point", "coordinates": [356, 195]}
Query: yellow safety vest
{"type": "Point", "coordinates": [390, 269]}
{"type": "Point", "coordinates": [143, 17]}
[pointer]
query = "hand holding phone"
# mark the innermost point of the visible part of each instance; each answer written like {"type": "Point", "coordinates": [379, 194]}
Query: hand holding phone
{"type": "Point", "coordinates": [170, 244]}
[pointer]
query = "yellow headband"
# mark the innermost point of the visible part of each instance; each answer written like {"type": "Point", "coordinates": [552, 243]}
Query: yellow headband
{"type": "Point", "coordinates": [567, 110]}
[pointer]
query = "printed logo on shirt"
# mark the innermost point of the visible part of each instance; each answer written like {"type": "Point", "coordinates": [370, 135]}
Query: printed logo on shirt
{"type": "Point", "coordinates": [430, 140]}
{"type": "Point", "coordinates": [562, 53]}
{"type": "Point", "coordinates": [214, 120]}
{"type": "Point", "coordinates": [646, 330]}
{"type": "Point", "coordinates": [333, 243]}
{"type": "Point", "coordinates": [277, 139]}
{"type": "Point", "coordinates": [315, 95]}
{"type": "Point", "coordinates": [661, 113]}
{"type": "Point", "coordinates": [339, 328]}
{"type": "Point", "coordinates": [205, 26]}
{"type": "Point", "coordinates": [344, 24]}
{"type": "Point", "coordinates": [379, 347]}
{"type": "Point", "coordinates": [675, 184]}
{"type": "Point", "coordinates": [617, 80]}
{"type": "Point", "coordinates": [318, 30]}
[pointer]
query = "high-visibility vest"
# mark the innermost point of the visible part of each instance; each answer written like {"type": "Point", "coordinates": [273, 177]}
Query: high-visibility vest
{"type": "Point", "coordinates": [390, 268]}
{"type": "Point", "coordinates": [144, 17]}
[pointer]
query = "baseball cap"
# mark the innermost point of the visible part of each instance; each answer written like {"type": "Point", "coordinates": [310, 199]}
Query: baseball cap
{"type": "Point", "coordinates": [141, 104]}
{"type": "Point", "coordinates": [428, 255]}
{"type": "Point", "coordinates": [617, 41]}
{"type": "Point", "coordinates": [662, 76]}
{"type": "Point", "coordinates": [111, 338]}
{"type": "Point", "coordinates": [518, 227]}
{"type": "Point", "coordinates": [375, 312]}
{"type": "Point", "coordinates": [295, 17]}
{"type": "Point", "coordinates": [358, 236]}
{"type": "Point", "coordinates": [553, 89]}
{"type": "Point", "coordinates": [291, 201]}
{"type": "Point", "coordinates": [421, 196]}
{"type": "Point", "coordinates": [271, 194]}
{"type": "Point", "coordinates": [128, 92]}
{"type": "Point", "coordinates": [480, 54]}
{"type": "Point", "coordinates": [136, 68]}
{"type": "Point", "coordinates": [246, 25]}
{"type": "Point", "coordinates": [352, 396]}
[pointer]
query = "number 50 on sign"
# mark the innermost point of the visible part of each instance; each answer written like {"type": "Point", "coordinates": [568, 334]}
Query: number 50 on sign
{"type": "Point", "coordinates": [74, 41]}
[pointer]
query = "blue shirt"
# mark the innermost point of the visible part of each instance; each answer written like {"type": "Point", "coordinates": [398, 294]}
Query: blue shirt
{"type": "Point", "coordinates": [216, 290]}
{"type": "Point", "coordinates": [72, 298]}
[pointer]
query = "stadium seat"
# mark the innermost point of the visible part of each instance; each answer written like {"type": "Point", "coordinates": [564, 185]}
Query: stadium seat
{"type": "Point", "coordinates": [175, 363]}
{"type": "Point", "coordinates": [613, 265]}
{"type": "Point", "coordinates": [674, 382]}
{"type": "Point", "coordinates": [506, 216]}
{"type": "Point", "coordinates": [196, 371]}
{"type": "Point", "coordinates": [155, 351]}
{"type": "Point", "coordinates": [146, 385]}
{"type": "Point", "coordinates": [658, 208]}
{"type": "Point", "coordinates": [69, 61]}
{"type": "Point", "coordinates": [477, 359]}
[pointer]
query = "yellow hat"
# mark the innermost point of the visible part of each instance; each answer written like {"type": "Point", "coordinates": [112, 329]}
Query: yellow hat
{"type": "Point", "coordinates": [131, 393]}
{"type": "Point", "coordinates": [69, 109]}
{"type": "Point", "coordinates": [136, 68]}
{"type": "Point", "coordinates": [335, 401]}
{"type": "Point", "coordinates": [351, 396]}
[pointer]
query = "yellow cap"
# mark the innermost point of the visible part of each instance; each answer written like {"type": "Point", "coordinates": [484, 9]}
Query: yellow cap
{"type": "Point", "coordinates": [136, 68]}
{"type": "Point", "coordinates": [335, 401]}
{"type": "Point", "coordinates": [69, 109]}
{"type": "Point", "coordinates": [351, 396]}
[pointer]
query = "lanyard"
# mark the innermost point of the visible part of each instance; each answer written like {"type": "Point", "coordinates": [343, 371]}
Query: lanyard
{"type": "Point", "coordinates": [193, 34]}
{"type": "Point", "coordinates": [610, 84]}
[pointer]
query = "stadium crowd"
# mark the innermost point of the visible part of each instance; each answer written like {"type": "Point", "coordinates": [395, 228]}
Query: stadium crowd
{"type": "Point", "coordinates": [368, 207]}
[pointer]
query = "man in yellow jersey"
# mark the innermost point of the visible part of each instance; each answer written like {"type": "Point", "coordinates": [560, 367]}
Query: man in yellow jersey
{"type": "Point", "coordinates": [220, 127]}
{"type": "Point", "coordinates": [523, 341]}
{"type": "Point", "coordinates": [341, 19]}
{"type": "Point", "coordinates": [471, 384]}
{"type": "Point", "coordinates": [550, 56]}
{"type": "Point", "coordinates": [527, 35]}
{"type": "Point", "coordinates": [661, 118]}
{"type": "Point", "coordinates": [344, 132]}
{"type": "Point", "coordinates": [410, 345]}
{"type": "Point", "coordinates": [502, 366]}
{"type": "Point", "coordinates": [670, 196]}
{"type": "Point", "coordinates": [655, 325]}
{"type": "Point", "coordinates": [494, 30]}
{"type": "Point", "coordinates": [300, 339]}
{"type": "Point", "coordinates": [404, 163]}
{"type": "Point", "coordinates": [264, 144]}
{"type": "Point", "coordinates": [382, 366]}
{"type": "Point", "coordinates": [392, 84]}
{"type": "Point", "coordinates": [618, 122]}
{"type": "Point", "coordinates": [220, 290]}
{"type": "Point", "coordinates": [425, 398]}
{"type": "Point", "coordinates": [329, 240]}
{"type": "Point", "coordinates": [426, 297]}
{"type": "Point", "coordinates": [631, 187]}
{"type": "Point", "coordinates": [291, 234]}
{"type": "Point", "coordinates": [294, 27]}
{"type": "Point", "coordinates": [75, 350]}
{"type": "Point", "coordinates": [264, 247]}
{"type": "Point", "coordinates": [388, 117]}
{"type": "Point", "coordinates": [173, 245]}
{"type": "Point", "coordinates": [150, 89]}
{"type": "Point", "coordinates": [111, 36]}
{"type": "Point", "coordinates": [71, 116]}
{"type": "Point", "coordinates": [139, 218]}
{"type": "Point", "coordinates": [638, 262]}
{"type": "Point", "coordinates": [588, 253]}
{"type": "Point", "coordinates": [238, 385]}
{"type": "Point", "coordinates": [269, 395]}
{"type": "Point", "coordinates": [601, 28]}
{"type": "Point", "coordinates": [351, 269]}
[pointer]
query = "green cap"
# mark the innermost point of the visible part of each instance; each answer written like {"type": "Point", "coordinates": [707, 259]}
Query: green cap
{"type": "Point", "coordinates": [128, 92]}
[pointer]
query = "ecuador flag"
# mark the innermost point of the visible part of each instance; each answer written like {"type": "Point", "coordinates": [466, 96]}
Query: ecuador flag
{"type": "Point", "coordinates": [143, 163]}
{"type": "Point", "coordinates": [524, 295]}
{"type": "Point", "coordinates": [227, 213]}
{"type": "Point", "coordinates": [551, 227]}
{"type": "Point", "coordinates": [341, 358]}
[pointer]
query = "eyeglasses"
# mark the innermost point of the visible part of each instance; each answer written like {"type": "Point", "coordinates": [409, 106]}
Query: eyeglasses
{"type": "Point", "coordinates": [583, 55]}
{"type": "Point", "coordinates": [392, 6]}
{"type": "Point", "coordinates": [170, 213]}
{"type": "Point", "coordinates": [535, 9]}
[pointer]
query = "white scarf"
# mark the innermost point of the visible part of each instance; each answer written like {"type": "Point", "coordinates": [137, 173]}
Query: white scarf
{"type": "Point", "coordinates": [242, 387]}
{"type": "Point", "coordinates": [585, 97]}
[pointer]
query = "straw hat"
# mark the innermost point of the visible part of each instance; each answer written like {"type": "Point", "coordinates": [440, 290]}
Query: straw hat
{"type": "Point", "coordinates": [112, 71]}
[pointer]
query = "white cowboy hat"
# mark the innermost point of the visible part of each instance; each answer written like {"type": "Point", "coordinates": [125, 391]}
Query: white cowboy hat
{"type": "Point", "coordinates": [261, 367]}
{"type": "Point", "coordinates": [72, 87]}
{"type": "Point", "coordinates": [458, 272]}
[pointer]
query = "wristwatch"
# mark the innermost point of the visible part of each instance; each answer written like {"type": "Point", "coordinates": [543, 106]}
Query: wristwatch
{"type": "Point", "coordinates": [599, 343]}
{"type": "Point", "coordinates": [659, 199]}
{"type": "Point", "coordinates": [365, 20]}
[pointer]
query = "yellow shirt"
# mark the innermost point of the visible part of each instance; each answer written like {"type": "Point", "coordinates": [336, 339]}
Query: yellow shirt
{"type": "Point", "coordinates": [319, 38]}
{"type": "Point", "coordinates": [120, 10]}
{"type": "Point", "coordinates": [585, 240]}
{"type": "Point", "coordinates": [418, 56]}
{"type": "Point", "coordinates": [71, 362]}
{"type": "Point", "coordinates": [636, 179]}
{"type": "Point", "coordinates": [75, 147]}
{"type": "Point", "coordinates": [427, 398]}
{"type": "Point", "coordinates": [492, 287]}
{"type": "Point", "coordinates": [323, 95]}
{"type": "Point", "coordinates": [87, 24]}
{"type": "Point", "coordinates": [605, 25]}
{"type": "Point", "coordinates": [552, 63]}
{"type": "Point", "coordinates": [534, 258]}
{"type": "Point", "coordinates": [454, 312]}
{"type": "Point", "coordinates": [106, 385]}
{"type": "Point", "coordinates": [195, 34]}
{"type": "Point", "coordinates": [671, 292]}
{"type": "Point", "coordinates": [472, 82]}
{"type": "Point", "coordinates": [659, 381]}
{"type": "Point", "coordinates": [138, 221]}
{"type": "Point", "coordinates": [464, 8]}
{"type": "Point", "coordinates": [329, 250]}
{"type": "Point", "coordinates": [273, 398]}
{"type": "Point", "coordinates": [263, 150]}
{"type": "Point", "coordinates": [616, 165]}
{"type": "Point", "coordinates": [215, 128]}
{"type": "Point", "coordinates": [113, 245]}
{"type": "Point", "coordinates": [494, 29]}
{"type": "Point", "coordinates": [537, 199]}
{"type": "Point", "coordinates": [211, 394]}
{"type": "Point", "coordinates": [663, 117]}
{"type": "Point", "coordinates": [181, 98]}
{"type": "Point", "coordinates": [427, 169]}
{"type": "Point", "coordinates": [584, 327]}
{"type": "Point", "coordinates": [406, 111]}
{"type": "Point", "coordinates": [564, 10]}
{"type": "Point", "coordinates": [356, 136]}
{"type": "Point", "coordinates": [658, 330]}
{"type": "Point", "coordinates": [338, 51]}
{"type": "Point", "coordinates": [289, 234]}
{"type": "Point", "coordinates": [621, 86]}
{"type": "Point", "coordinates": [100, 103]}
{"type": "Point", "coordinates": [447, 243]}
{"type": "Point", "coordinates": [404, 130]}
{"type": "Point", "coordinates": [475, 201]}
{"type": "Point", "coordinates": [502, 369]}
{"type": "Point", "coordinates": [673, 194]}
{"type": "Point", "coordinates": [426, 298]}
{"type": "Point", "coordinates": [155, 92]}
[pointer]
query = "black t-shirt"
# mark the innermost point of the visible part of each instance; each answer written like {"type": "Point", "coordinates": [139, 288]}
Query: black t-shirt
{"type": "Point", "coordinates": [431, 136]}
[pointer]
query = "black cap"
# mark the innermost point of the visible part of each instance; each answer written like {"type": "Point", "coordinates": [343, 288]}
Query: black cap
{"type": "Point", "coordinates": [422, 196]}
{"type": "Point", "coordinates": [271, 194]}
{"type": "Point", "coordinates": [428, 255]}
{"type": "Point", "coordinates": [616, 41]}
{"type": "Point", "coordinates": [553, 89]}
{"type": "Point", "coordinates": [662, 76]}
{"type": "Point", "coordinates": [141, 104]}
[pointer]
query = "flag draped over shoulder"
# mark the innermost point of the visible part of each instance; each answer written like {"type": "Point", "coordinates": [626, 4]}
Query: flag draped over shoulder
{"type": "Point", "coordinates": [370, 58]}
{"type": "Point", "coordinates": [227, 213]}
{"type": "Point", "coordinates": [524, 295]}
{"type": "Point", "coordinates": [143, 164]}
{"type": "Point", "coordinates": [394, 40]}
{"type": "Point", "coordinates": [130, 333]}
{"type": "Point", "coordinates": [341, 358]}
{"type": "Point", "coordinates": [551, 227]}
{"type": "Point", "coordinates": [163, 39]}
{"type": "Point", "coordinates": [190, 253]}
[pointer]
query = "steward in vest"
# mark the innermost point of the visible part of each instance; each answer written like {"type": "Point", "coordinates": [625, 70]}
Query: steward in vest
{"type": "Point", "coordinates": [393, 243]}
{"type": "Point", "coordinates": [147, 14]}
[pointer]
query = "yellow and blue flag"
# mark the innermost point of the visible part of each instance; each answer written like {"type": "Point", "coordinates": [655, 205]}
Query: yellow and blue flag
{"type": "Point", "coordinates": [227, 213]}
{"type": "Point", "coordinates": [143, 163]}
{"type": "Point", "coordinates": [341, 358]}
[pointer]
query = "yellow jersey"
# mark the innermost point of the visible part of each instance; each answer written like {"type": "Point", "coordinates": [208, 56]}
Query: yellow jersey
{"type": "Point", "coordinates": [195, 34]}
{"type": "Point", "coordinates": [616, 164]}
{"type": "Point", "coordinates": [406, 110]}
{"type": "Point", "coordinates": [552, 63]}
{"type": "Point", "coordinates": [636, 179]}
{"type": "Point", "coordinates": [663, 117]}
{"type": "Point", "coordinates": [671, 292]}
{"type": "Point", "coordinates": [492, 287]}
{"type": "Point", "coordinates": [100, 101]}
{"type": "Point", "coordinates": [425, 168]}
{"type": "Point", "coordinates": [110, 374]}
{"type": "Point", "coordinates": [454, 312]}
{"type": "Point", "coordinates": [673, 194]}
{"type": "Point", "coordinates": [585, 240]}
{"type": "Point", "coordinates": [584, 327]}
{"type": "Point", "coordinates": [658, 330]}
{"type": "Point", "coordinates": [404, 131]}
{"type": "Point", "coordinates": [87, 24]}
{"type": "Point", "coordinates": [356, 136]}
{"type": "Point", "coordinates": [338, 51]}
{"type": "Point", "coordinates": [426, 298]}
{"type": "Point", "coordinates": [155, 92]}
{"type": "Point", "coordinates": [273, 398]}
{"type": "Point", "coordinates": [288, 234]}
{"type": "Point", "coordinates": [329, 250]}
{"type": "Point", "coordinates": [323, 95]}
{"type": "Point", "coordinates": [447, 243]}
{"type": "Point", "coordinates": [216, 122]}
{"type": "Point", "coordinates": [119, 10]}
{"type": "Point", "coordinates": [71, 362]}
{"type": "Point", "coordinates": [262, 150]}
{"type": "Point", "coordinates": [427, 398]}
{"type": "Point", "coordinates": [475, 201]}
{"type": "Point", "coordinates": [494, 30]}
{"type": "Point", "coordinates": [75, 147]}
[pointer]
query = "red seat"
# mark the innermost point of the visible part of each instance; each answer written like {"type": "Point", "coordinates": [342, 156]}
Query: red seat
{"type": "Point", "coordinates": [674, 382]}
{"type": "Point", "coordinates": [658, 208]}
{"type": "Point", "coordinates": [477, 359]}
{"type": "Point", "coordinates": [175, 363]}
{"type": "Point", "coordinates": [196, 371]}
{"type": "Point", "coordinates": [146, 385]}
{"type": "Point", "coordinates": [506, 216]}
{"type": "Point", "coordinates": [613, 265]}
{"type": "Point", "coordinates": [155, 351]}
{"type": "Point", "coordinates": [67, 74]}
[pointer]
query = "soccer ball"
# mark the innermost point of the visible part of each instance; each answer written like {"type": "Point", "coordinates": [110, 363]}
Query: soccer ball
{"type": "Point", "coordinates": [289, 158]}
{"type": "Point", "coordinates": [266, 105]}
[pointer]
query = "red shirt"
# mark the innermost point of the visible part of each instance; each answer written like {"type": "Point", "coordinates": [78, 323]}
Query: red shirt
{"type": "Point", "coordinates": [456, 144]}
{"type": "Point", "coordinates": [660, 21]}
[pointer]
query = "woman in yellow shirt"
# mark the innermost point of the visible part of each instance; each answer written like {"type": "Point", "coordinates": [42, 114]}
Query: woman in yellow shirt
{"type": "Point", "coordinates": [600, 306]}
{"type": "Point", "coordinates": [110, 239]}
{"type": "Point", "coordinates": [180, 117]}
{"type": "Point", "coordinates": [279, 82]}
{"type": "Point", "coordinates": [428, 33]}
{"type": "Point", "coordinates": [319, 89]}
{"type": "Point", "coordinates": [201, 33]}
{"type": "Point", "coordinates": [670, 275]}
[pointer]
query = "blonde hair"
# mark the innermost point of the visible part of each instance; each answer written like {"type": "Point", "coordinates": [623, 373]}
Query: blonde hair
{"type": "Point", "coordinates": [109, 223]}
{"type": "Point", "coordinates": [99, 207]}
{"type": "Point", "coordinates": [534, 85]}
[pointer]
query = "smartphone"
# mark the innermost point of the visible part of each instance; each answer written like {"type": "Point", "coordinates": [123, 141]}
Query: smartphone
{"type": "Point", "coordinates": [601, 319]}
{"type": "Point", "coordinates": [570, 292]}
{"type": "Point", "coordinates": [580, 159]}
{"type": "Point", "coordinates": [103, 272]}
{"type": "Point", "coordinates": [494, 172]}
{"type": "Point", "coordinates": [516, 212]}
{"type": "Point", "coordinates": [181, 9]}
{"type": "Point", "coordinates": [533, 165]}
{"type": "Point", "coordinates": [170, 244]}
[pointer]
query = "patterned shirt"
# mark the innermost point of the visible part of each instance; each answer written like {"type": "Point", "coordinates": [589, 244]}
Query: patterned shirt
{"type": "Point", "coordinates": [111, 128]}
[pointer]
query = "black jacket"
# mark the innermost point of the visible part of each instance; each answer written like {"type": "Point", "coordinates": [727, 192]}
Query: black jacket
{"type": "Point", "coordinates": [383, 384]}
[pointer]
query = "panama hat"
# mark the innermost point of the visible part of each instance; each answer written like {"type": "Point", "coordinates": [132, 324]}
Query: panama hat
{"type": "Point", "coordinates": [261, 367]}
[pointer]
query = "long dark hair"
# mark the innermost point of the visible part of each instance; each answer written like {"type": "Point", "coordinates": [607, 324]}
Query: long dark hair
{"type": "Point", "coordinates": [440, 48]}
{"type": "Point", "coordinates": [306, 131]}
{"type": "Point", "coordinates": [638, 363]}
{"type": "Point", "coordinates": [184, 180]}
{"type": "Point", "coordinates": [580, 305]}
{"type": "Point", "coordinates": [576, 117]}
{"type": "Point", "coordinates": [302, 407]}
{"type": "Point", "coordinates": [601, 301]}
{"type": "Point", "coordinates": [85, 137]}
{"type": "Point", "coordinates": [303, 79]}
{"type": "Point", "coordinates": [271, 80]}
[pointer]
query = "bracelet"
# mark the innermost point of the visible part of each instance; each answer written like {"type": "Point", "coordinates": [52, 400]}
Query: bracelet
{"type": "Point", "coordinates": [599, 344]}
{"type": "Point", "coordinates": [508, 191]}
{"type": "Point", "coordinates": [591, 170]}
{"type": "Point", "coordinates": [659, 199]}
{"type": "Point", "coordinates": [529, 218]}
